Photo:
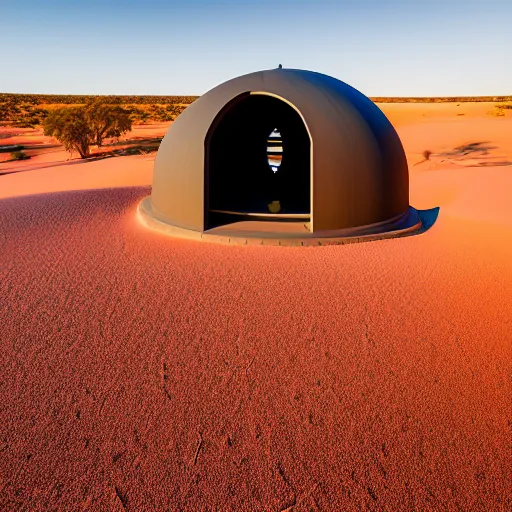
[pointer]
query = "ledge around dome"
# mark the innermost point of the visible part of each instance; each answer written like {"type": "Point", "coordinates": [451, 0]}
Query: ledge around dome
{"type": "Point", "coordinates": [283, 233]}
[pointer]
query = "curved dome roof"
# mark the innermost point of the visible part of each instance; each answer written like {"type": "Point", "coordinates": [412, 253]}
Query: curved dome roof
{"type": "Point", "coordinates": [359, 172]}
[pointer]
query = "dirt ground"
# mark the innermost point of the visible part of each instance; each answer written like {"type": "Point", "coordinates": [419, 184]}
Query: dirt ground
{"type": "Point", "coordinates": [141, 372]}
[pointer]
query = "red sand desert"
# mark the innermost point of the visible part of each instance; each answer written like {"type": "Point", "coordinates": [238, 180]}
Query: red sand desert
{"type": "Point", "coordinates": [141, 372]}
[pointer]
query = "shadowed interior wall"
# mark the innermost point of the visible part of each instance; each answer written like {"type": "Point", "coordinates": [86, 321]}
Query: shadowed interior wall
{"type": "Point", "coordinates": [239, 177]}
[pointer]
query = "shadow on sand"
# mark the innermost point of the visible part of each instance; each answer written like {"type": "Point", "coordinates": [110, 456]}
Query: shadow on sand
{"type": "Point", "coordinates": [428, 219]}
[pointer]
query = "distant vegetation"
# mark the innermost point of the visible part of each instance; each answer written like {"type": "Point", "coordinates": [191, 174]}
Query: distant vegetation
{"type": "Point", "coordinates": [80, 99]}
{"type": "Point", "coordinates": [499, 110]}
{"type": "Point", "coordinates": [447, 99]}
{"type": "Point", "coordinates": [80, 127]}
{"type": "Point", "coordinates": [30, 110]}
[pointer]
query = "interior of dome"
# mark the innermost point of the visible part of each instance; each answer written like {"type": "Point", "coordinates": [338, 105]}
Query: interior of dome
{"type": "Point", "coordinates": [257, 162]}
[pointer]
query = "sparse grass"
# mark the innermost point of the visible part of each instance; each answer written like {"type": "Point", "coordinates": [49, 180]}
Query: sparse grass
{"type": "Point", "coordinates": [499, 110]}
{"type": "Point", "coordinates": [136, 147]}
{"type": "Point", "coordinates": [140, 150]}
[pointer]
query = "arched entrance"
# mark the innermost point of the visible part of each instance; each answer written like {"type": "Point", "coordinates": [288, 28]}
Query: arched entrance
{"type": "Point", "coordinates": [257, 162]}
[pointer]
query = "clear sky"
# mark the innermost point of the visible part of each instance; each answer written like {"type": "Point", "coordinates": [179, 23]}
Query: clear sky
{"type": "Point", "coordinates": [381, 47]}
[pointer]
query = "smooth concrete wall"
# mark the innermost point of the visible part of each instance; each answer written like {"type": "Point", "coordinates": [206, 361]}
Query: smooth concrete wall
{"type": "Point", "coordinates": [359, 170]}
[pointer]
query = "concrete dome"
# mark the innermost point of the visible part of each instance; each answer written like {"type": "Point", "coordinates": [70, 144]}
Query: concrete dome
{"type": "Point", "coordinates": [356, 175]}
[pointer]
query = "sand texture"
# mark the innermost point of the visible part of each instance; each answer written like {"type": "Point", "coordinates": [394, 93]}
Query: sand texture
{"type": "Point", "coordinates": [142, 372]}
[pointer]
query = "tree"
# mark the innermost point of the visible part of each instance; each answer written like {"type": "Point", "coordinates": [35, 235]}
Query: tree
{"type": "Point", "coordinates": [71, 127]}
{"type": "Point", "coordinates": [78, 128]}
{"type": "Point", "coordinates": [107, 120]}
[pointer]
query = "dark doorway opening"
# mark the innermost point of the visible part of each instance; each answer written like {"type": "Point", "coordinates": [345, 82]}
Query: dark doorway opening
{"type": "Point", "coordinates": [257, 162]}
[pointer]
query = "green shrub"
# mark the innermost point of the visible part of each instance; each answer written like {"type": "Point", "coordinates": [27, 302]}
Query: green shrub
{"type": "Point", "coordinates": [19, 155]}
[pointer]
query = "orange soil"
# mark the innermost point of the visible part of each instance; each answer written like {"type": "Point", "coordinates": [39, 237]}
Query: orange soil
{"type": "Point", "coordinates": [142, 372]}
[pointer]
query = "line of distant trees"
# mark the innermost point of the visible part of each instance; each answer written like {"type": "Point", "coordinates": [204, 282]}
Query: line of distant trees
{"type": "Point", "coordinates": [70, 99]}
{"type": "Point", "coordinates": [30, 110]}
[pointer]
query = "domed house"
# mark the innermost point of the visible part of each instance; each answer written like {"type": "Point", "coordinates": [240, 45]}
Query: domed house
{"type": "Point", "coordinates": [281, 155]}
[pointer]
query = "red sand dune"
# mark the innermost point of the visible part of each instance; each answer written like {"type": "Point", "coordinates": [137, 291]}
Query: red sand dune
{"type": "Point", "coordinates": [141, 372]}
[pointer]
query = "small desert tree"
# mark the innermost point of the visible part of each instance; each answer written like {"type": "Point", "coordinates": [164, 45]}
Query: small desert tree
{"type": "Point", "coordinates": [107, 120]}
{"type": "Point", "coordinates": [78, 128]}
{"type": "Point", "coordinates": [71, 127]}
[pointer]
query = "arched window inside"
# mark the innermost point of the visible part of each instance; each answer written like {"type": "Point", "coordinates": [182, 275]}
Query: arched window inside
{"type": "Point", "coordinates": [274, 150]}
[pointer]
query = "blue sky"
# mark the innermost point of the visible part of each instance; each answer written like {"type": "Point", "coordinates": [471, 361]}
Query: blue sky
{"type": "Point", "coordinates": [381, 47]}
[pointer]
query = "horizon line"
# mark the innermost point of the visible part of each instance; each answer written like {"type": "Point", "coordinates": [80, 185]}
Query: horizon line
{"type": "Point", "coordinates": [494, 97]}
